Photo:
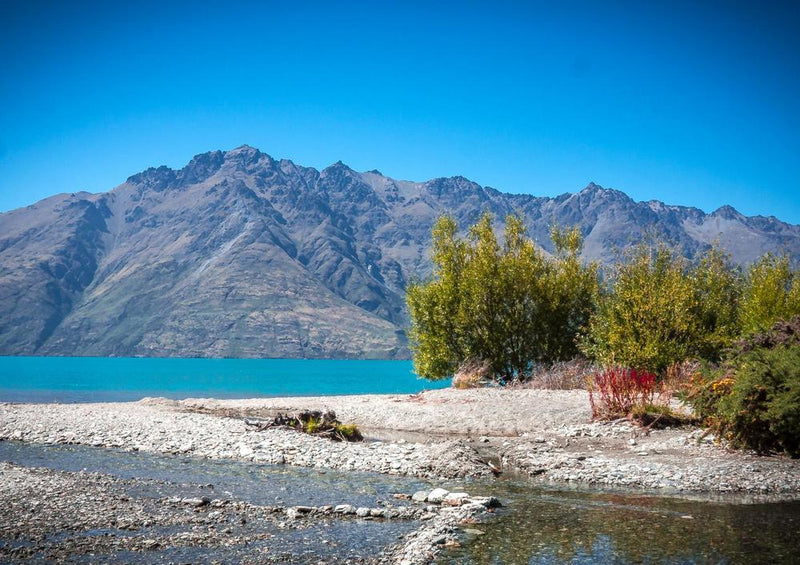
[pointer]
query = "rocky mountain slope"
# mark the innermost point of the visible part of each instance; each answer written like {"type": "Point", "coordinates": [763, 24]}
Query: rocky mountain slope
{"type": "Point", "coordinates": [241, 255]}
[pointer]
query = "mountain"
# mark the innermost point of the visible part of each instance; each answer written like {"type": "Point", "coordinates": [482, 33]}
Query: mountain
{"type": "Point", "coordinates": [241, 255]}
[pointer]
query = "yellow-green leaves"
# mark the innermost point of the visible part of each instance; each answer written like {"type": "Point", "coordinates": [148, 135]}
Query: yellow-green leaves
{"type": "Point", "coordinates": [503, 303]}
{"type": "Point", "coordinates": [661, 310]}
{"type": "Point", "coordinates": [771, 293]}
{"type": "Point", "coordinates": [506, 303]}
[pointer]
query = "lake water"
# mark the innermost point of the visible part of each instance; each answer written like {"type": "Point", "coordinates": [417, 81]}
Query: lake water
{"type": "Point", "coordinates": [96, 379]}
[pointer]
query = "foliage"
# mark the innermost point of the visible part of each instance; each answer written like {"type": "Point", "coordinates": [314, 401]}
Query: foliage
{"type": "Point", "coordinates": [575, 293]}
{"type": "Point", "coordinates": [772, 293]}
{"type": "Point", "coordinates": [506, 308]}
{"type": "Point", "coordinates": [506, 304]}
{"type": "Point", "coordinates": [435, 306]}
{"type": "Point", "coordinates": [347, 432]}
{"type": "Point", "coordinates": [753, 399]}
{"type": "Point", "coordinates": [717, 287]}
{"type": "Point", "coordinates": [614, 392]}
{"type": "Point", "coordinates": [661, 310]}
{"type": "Point", "coordinates": [678, 375]}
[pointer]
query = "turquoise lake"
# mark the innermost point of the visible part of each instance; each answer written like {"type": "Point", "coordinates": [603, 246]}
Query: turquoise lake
{"type": "Point", "coordinates": [101, 379]}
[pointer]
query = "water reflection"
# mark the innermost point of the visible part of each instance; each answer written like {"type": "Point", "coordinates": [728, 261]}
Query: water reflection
{"type": "Point", "coordinates": [549, 528]}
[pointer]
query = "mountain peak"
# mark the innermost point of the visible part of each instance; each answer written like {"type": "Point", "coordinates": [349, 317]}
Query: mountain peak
{"type": "Point", "coordinates": [728, 212]}
{"type": "Point", "coordinates": [244, 148]}
{"type": "Point", "coordinates": [246, 158]}
{"type": "Point", "coordinates": [338, 167]}
{"type": "Point", "coordinates": [595, 191]}
{"type": "Point", "coordinates": [154, 177]}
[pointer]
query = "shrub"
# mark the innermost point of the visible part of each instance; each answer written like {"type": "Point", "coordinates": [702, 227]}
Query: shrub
{"type": "Point", "coordinates": [312, 425]}
{"type": "Point", "coordinates": [574, 291]}
{"type": "Point", "coordinates": [753, 400]}
{"type": "Point", "coordinates": [472, 373]}
{"type": "Point", "coordinates": [562, 375]}
{"type": "Point", "coordinates": [657, 416]}
{"type": "Point", "coordinates": [678, 376]}
{"type": "Point", "coordinates": [661, 310]}
{"type": "Point", "coordinates": [717, 287]}
{"type": "Point", "coordinates": [347, 432]}
{"type": "Point", "coordinates": [614, 392]}
{"type": "Point", "coordinates": [508, 305]}
{"type": "Point", "coordinates": [772, 293]}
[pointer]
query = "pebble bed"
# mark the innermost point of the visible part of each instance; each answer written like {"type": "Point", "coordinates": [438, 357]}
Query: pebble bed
{"type": "Point", "coordinates": [566, 450]}
{"type": "Point", "coordinates": [138, 427]}
{"type": "Point", "coordinates": [561, 447]}
{"type": "Point", "coordinates": [687, 460]}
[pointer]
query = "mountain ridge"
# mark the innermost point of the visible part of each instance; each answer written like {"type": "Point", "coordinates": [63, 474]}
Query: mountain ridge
{"type": "Point", "coordinates": [240, 254]}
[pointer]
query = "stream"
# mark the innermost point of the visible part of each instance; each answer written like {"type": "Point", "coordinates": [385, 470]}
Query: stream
{"type": "Point", "coordinates": [536, 525]}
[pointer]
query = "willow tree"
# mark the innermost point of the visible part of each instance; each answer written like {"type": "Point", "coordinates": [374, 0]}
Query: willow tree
{"type": "Point", "coordinates": [771, 293]}
{"type": "Point", "coordinates": [506, 304]}
{"type": "Point", "coordinates": [661, 309]}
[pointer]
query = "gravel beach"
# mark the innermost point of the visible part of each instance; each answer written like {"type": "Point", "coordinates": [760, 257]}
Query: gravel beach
{"type": "Point", "coordinates": [446, 433]}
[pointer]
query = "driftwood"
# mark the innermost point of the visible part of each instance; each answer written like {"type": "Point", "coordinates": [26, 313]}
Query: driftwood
{"type": "Point", "coordinates": [313, 422]}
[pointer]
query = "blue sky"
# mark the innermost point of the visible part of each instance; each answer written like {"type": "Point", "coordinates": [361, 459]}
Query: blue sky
{"type": "Point", "coordinates": [693, 103]}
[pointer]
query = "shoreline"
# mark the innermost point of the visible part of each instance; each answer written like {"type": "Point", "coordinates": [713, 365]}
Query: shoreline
{"type": "Point", "coordinates": [544, 435]}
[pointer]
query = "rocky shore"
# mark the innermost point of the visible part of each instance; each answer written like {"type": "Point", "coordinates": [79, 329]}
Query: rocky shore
{"type": "Point", "coordinates": [546, 435]}
{"type": "Point", "coordinates": [159, 428]}
{"type": "Point", "coordinates": [682, 460]}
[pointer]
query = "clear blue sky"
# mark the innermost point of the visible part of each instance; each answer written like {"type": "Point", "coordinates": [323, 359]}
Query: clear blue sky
{"type": "Point", "coordinates": [694, 103]}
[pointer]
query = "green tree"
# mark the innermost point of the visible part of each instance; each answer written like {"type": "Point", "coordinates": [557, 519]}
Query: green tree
{"type": "Point", "coordinates": [575, 291]}
{"type": "Point", "coordinates": [506, 304]}
{"type": "Point", "coordinates": [435, 307]}
{"type": "Point", "coordinates": [771, 293]}
{"type": "Point", "coordinates": [718, 289]}
{"type": "Point", "coordinates": [661, 309]}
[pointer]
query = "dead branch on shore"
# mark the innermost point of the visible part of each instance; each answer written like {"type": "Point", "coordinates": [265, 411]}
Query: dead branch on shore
{"type": "Point", "coordinates": [312, 422]}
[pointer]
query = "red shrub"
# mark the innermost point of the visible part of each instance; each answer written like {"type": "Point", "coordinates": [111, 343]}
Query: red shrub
{"type": "Point", "coordinates": [614, 392]}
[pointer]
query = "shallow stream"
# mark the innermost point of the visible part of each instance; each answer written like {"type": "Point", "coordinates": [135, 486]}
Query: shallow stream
{"type": "Point", "coordinates": [161, 476]}
{"type": "Point", "coordinates": [535, 526]}
{"type": "Point", "coordinates": [581, 526]}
